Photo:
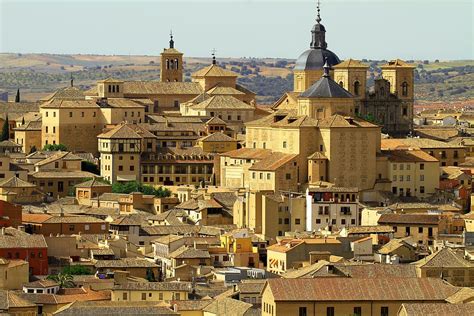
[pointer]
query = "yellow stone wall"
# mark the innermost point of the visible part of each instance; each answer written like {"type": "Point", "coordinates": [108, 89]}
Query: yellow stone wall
{"type": "Point", "coordinates": [347, 77]}
{"type": "Point", "coordinates": [28, 139]}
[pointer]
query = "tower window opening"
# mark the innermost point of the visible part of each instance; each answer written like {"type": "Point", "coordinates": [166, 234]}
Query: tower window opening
{"type": "Point", "coordinates": [357, 88]}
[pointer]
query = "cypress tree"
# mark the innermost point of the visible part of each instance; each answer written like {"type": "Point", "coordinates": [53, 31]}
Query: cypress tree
{"type": "Point", "coordinates": [5, 130]}
{"type": "Point", "coordinates": [17, 97]}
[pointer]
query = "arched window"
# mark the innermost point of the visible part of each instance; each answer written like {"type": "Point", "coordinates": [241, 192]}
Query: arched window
{"type": "Point", "coordinates": [341, 84]}
{"type": "Point", "coordinates": [113, 89]}
{"type": "Point", "coordinates": [171, 64]}
{"type": "Point", "coordinates": [357, 88]}
{"type": "Point", "coordinates": [118, 90]}
{"type": "Point", "coordinates": [405, 89]}
{"type": "Point", "coordinates": [110, 89]}
{"type": "Point", "coordinates": [167, 63]}
{"type": "Point", "coordinates": [176, 63]}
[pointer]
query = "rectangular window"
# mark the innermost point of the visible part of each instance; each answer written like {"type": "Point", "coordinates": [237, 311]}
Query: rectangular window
{"type": "Point", "coordinates": [143, 296]}
{"type": "Point", "coordinates": [160, 296]}
{"type": "Point", "coordinates": [288, 176]}
{"type": "Point", "coordinates": [420, 230]}
{"type": "Point", "coordinates": [422, 189]}
{"type": "Point", "coordinates": [303, 311]}
{"type": "Point", "coordinates": [330, 311]}
{"type": "Point", "coordinates": [125, 296]}
{"type": "Point", "coordinates": [384, 311]}
{"type": "Point", "coordinates": [422, 177]}
{"type": "Point", "coordinates": [284, 144]}
{"type": "Point", "coordinates": [422, 167]}
{"type": "Point", "coordinates": [70, 114]}
{"type": "Point", "coordinates": [357, 311]}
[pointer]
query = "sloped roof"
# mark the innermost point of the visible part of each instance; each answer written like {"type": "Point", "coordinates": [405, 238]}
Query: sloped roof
{"type": "Point", "coordinates": [109, 308]}
{"type": "Point", "coordinates": [434, 309]}
{"type": "Point", "coordinates": [59, 104]}
{"type": "Point", "coordinates": [61, 155]}
{"type": "Point", "coordinates": [222, 102]}
{"type": "Point", "coordinates": [273, 162]}
{"type": "Point", "coordinates": [350, 63]}
{"type": "Point", "coordinates": [140, 88]}
{"type": "Point", "coordinates": [216, 121]}
{"type": "Point", "coordinates": [121, 131]}
{"type": "Point", "coordinates": [185, 252]}
{"type": "Point", "coordinates": [67, 93]}
{"type": "Point", "coordinates": [218, 137]}
{"type": "Point", "coordinates": [326, 88]}
{"type": "Point", "coordinates": [93, 183]}
{"type": "Point", "coordinates": [15, 182]}
{"type": "Point", "coordinates": [338, 120]}
{"type": "Point", "coordinates": [445, 258]}
{"type": "Point", "coordinates": [214, 70]}
{"type": "Point", "coordinates": [427, 219]}
{"type": "Point", "coordinates": [14, 238]}
{"type": "Point", "coordinates": [397, 63]}
{"type": "Point", "coordinates": [350, 289]}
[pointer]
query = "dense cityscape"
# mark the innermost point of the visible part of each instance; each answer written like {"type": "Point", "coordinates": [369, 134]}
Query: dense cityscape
{"type": "Point", "coordinates": [184, 195]}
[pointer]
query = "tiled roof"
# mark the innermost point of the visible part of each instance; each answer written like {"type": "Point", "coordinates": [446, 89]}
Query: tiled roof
{"type": "Point", "coordinates": [191, 305]}
{"type": "Point", "coordinates": [273, 162]}
{"type": "Point", "coordinates": [16, 301]}
{"type": "Point", "coordinates": [367, 271]}
{"type": "Point", "coordinates": [41, 284]}
{"type": "Point", "coordinates": [410, 219]}
{"type": "Point", "coordinates": [67, 93]}
{"type": "Point", "coordinates": [15, 182]}
{"type": "Point", "coordinates": [393, 245]}
{"type": "Point", "coordinates": [306, 272]}
{"type": "Point", "coordinates": [60, 155]}
{"type": "Point", "coordinates": [326, 88]}
{"type": "Point", "coordinates": [229, 305]}
{"type": "Point", "coordinates": [123, 103]}
{"type": "Point", "coordinates": [215, 121]}
{"type": "Point", "coordinates": [334, 189]}
{"type": "Point", "coordinates": [189, 253]}
{"type": "Point", "coordinates": [61, 174]}
{"type": "Point", "coordinates": [214, 70]}
{"type": "Point", "coordinates": [30, 126]}
{"type": "Point", "coordinates": [93, 183]}
{"type": "Point", "coordinates": [411, 155]}
{"type": "Point", "coordinates": [74, 219]}
{"type": "Point", "coordinates": [397, 63]}
{"type": "Point", "coordinates": [338, 120]}
{"type": "Point", "coordinates": [110, 308]}
{"type": "Point", "coordinates": [464, 295]}
{"type": "Point", "coordinates": [350, 289]}
{"type": "Point", "coordinates": [154, 286]}
{"type": "Point", "coordinates": [218, 137]}
{"type": "Point", "coordinates": [370, 229]}
{"type": "Point", "coordinates": [125, 263]}
{"type": "Point", "coordinates": [219, 90]}
{"type": "Point", "coordinates": [34, 218]}
{"type": "Point", "coordinates": [60, 104]}
{"type": "Point", "coordinates": [8, 144]}
{"type": "Point", "coordinates": [422, 143]}
{"type": "Point", "coordinates": [121, 131]}
{"type": "Point", "coordinates": [444, 258]}
{"type": "Point", "coordinates": [251, 286]}
{"type": "Point", "coordinates": [433, 309]}
{"type": "Point", "coordinates": [350, 63]}
{"type": "Point", "coordinates": [160, 88]}
{"type": "Point", "coordinates": [14, 238]}
{"type": "Point", "coordinates": [217, 102]}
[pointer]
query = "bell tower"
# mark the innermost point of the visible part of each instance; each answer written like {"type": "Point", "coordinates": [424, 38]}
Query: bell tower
{"type": "Point", "coordinates": [352, 75]}
{"type": "Point", "coordinates": [171, 64]}
{"type": "Point", "coordinates": [401, 77]}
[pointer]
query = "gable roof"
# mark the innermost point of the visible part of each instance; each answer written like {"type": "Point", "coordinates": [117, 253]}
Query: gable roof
{"type": "Point", "coordinates": [326, 88]}
{"type": "Point", "coordinates": [15, 182]}
{"type": "Point", "coordinates": [223, 102]}
{"type": "Point", "coordinates": [397, 63]}
{"type": "Point", "coordinates": [218, 137]}
{"type": "Point", "coordinates": [60, 155]}
{"type": "Point", "coordinates": [445, 258]}
{"type": "Point", "coordinates": [214, 70]}
{"type": "Point", "coordinates": [350, 289]}
{"type": "Point", "coordinates": [350, 63]}
{"type": "Point", "coordinates": [93, 183]}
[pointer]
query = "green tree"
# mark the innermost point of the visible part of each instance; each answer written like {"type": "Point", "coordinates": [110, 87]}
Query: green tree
{"type": "Point", "coordinates": [134, 186]}
{"type": "Point", "coordinates": [55, 147]}
{"type": "Point", "coordinates": [5, 130]}
{"type": "Point", "coordinates": [64, 280]}
{"type": "Point", "coordinates": [17, 97]}
{"type": "Point", "coordinates": [77, 270]}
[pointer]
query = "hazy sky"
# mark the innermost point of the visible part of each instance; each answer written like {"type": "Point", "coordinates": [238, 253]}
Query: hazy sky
{"type": "Point", "coordinates": [375, 29]}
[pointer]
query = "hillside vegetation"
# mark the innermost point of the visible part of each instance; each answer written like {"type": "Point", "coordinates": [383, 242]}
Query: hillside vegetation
{"type": "Point", "coordinates": [39, 74]}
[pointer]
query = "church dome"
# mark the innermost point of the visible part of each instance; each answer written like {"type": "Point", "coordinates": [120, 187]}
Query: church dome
{"type": "Point", "coordinates": [314, 59]}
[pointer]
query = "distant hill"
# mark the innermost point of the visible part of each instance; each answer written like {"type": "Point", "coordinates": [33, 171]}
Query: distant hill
{"type": "Point", "coordinates": [39, 74]}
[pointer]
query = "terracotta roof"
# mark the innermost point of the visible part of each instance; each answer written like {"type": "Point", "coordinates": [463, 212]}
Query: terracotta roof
{"type": "Point", "coordinates": [41, 284]}
{"type": "Point", "coordinates": [393, 245]}
{"type": "Point", "coordinates": [125, 263]}
{"type": "Point", "coordinates": [93, 183]}
{"type": "Point", "coordinates": [219, 90]}
{"type": "Point", "coordinates": [350, 63]}
{"type": "Point", "coordinates": [191, 305]}
{"type": "Point", "coordinates": [214, 70]}
{"type": "Point", "coordinates": [74, 219]}
{"type": "Point", "coordinates": [350, 289]}
{"type": "Point", "coordinates": [16, 301]}
{"type": "Point", "coordinates": [229, 305]}
{"type": "Point", "coordinates": [15, 182]}
{"type": "Point", "coordinates": [397, 63]}
{"type": "Point", "coordinates": [444, 258]}
{"type": "Point", "coordinates": [121, 131]}
{"type": "Point", "coordinates": [338, 120]}
{"type": "Point", "coordinates": [52, 174]}
{"type": "Point", "coordinates": [370, 229]}
{"type": "Point", "coordinates": [251, 286]}
{"type": "Point", "coordinates": [217, 137]}
{"type": "Point", "coordinates": [14, 238]}
{"type": "Point", "coordinates": [273, 162]}
{"type": "Point", "coordinates": [154, 286]}
{"type": "Point", "coordinates": [223, 102]}
{"type": "Point", "coordinates": [60, 155]}
{"type": "Point", "coordinates": [421, 143]}
{"type": "Point", "coordinates": [185, 252]}
{"type": "Point", "coordinates": [67, 93]}
{"type": "Point", "coordinates": [434, 309]}
{"type": "Point", "coordinates": [60, 104]}
{"type": "Point", "coordinates": [160, 88]}
{"type": "Point", "coordinates": [307, 271]}
{"type": "Point", "coordinates": [34, 218]}
{"type": "Point", "coordinates": [410, 219]}
{"type": "Point", "coordinates": [400, 155]}
{"type": "Point", "coordinates": [215, 120]}
{"type": "Point", "coordinates": [110, 308]}
{"type": "Point", "coordinates": [366, 271]}
{"type": "Point", "coordinates": [464, 295]}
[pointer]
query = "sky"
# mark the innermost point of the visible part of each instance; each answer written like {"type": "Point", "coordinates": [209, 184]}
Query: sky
{"type": "Point", "coordinates": [372, 29]}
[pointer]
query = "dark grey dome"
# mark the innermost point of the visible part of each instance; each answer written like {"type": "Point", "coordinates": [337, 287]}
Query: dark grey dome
{"type": "Point", "coordinates": [314, 59]}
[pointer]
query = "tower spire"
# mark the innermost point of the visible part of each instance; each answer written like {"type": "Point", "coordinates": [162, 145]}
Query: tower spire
{"type": "Point", "coordinates": [214, 62]}
{"type": "Point", "coordinates": [318, 33]}
{"type": "Point", "coordinates": [171, 39]}
{"type": "Point", "coordinates": [318, 18]}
